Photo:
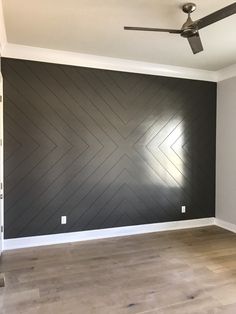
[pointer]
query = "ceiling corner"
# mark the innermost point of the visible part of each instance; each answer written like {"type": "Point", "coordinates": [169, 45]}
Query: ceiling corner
{"type": "Point", "coordinates": [226, 73]}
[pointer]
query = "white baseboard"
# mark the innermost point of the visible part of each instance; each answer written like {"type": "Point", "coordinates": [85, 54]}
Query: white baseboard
{"type": "Point", "coordinates": [225, 225]}
{"type": "Point", "coordinates": [26, 242]}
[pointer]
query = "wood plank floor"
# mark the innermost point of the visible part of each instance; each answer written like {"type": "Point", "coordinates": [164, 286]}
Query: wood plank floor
{"type": "Point", "coordinates": [189, 271]}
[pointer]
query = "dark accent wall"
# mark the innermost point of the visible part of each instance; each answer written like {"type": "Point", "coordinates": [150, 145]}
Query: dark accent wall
{"type": "Point", "coordinates": [104, 148]}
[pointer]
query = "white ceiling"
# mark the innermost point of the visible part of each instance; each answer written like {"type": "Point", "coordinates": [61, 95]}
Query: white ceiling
{"type": "Point", "coordinates": [96, 27]}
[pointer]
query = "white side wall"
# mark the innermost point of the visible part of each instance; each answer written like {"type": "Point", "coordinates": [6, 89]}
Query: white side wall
{"type": "Point", "coordinates": [226, 151]}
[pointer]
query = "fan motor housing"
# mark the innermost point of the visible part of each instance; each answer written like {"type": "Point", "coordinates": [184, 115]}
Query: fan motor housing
{"type": "Point", "coordinates": [189, 31]}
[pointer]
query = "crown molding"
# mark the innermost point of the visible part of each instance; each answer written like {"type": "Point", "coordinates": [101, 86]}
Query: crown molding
{"type": "Point", "coordinates": [101, 62]}
{"type": "Point", "coordinates": [15, 51]}
{"type": "Point", "coordinates": [3, 36]}
{"type": "Point", "coordinates": [226, 73]}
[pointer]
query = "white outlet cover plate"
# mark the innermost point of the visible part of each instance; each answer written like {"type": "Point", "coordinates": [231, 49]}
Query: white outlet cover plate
{"type": "Point", "coordinates": [63, 220]}
{"type": "Point", "coordinates": [183, 209]}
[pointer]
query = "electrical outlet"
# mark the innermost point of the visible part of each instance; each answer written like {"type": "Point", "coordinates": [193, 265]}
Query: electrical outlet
{"type": "Point", "coordinates": [183, 209]}
{"type": "Point", "coordinates": [63, 220]}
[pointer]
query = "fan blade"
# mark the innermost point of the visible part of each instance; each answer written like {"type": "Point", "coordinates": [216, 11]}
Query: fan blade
{"type": "Point", "coordinates": [147, 29]}
{"type": "Point", "coordinates": [195, 43]}
{"type": "Point", "coordinates": [217, 16]}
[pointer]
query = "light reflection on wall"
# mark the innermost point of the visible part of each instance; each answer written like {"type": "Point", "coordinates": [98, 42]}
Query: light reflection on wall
{"type": "Point", "coordinates": [164, 151]}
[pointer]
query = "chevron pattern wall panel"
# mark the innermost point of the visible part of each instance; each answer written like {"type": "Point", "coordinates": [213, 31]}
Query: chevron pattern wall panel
{"type": "Point", "coordinates": [104, 148]}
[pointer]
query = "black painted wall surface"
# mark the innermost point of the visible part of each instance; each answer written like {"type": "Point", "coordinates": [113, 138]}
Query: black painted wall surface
{"type": "Point", "coordinates": [104, 148]}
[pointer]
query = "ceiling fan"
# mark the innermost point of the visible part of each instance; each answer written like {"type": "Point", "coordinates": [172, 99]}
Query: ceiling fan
{"type": "Point", "coordinates": [190, 28]}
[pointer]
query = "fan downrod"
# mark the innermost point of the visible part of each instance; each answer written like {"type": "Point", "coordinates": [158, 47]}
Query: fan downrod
{"type": "Point", "coordinates": [189, 7]}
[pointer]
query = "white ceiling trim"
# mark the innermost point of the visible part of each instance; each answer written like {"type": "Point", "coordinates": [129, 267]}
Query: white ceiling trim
{"type": "Point", "coordinates": [226, 73]}
{"type": "Point", "coordinates": [3, 36]}
{"type": "Point", "coordinates": [107, 63]}
{"type": "Point", "coordinates": [100, 62]}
